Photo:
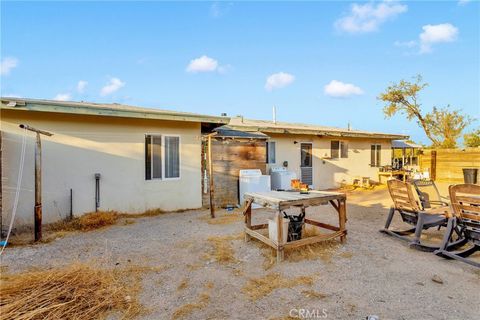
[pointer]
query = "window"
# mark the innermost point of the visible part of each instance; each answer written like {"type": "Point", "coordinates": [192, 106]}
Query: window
{"type": "Point", "coordinates": [306, 155]}
{"type": "Point", "coordinates": [162, 157]}
{"type": "Point", "coordinates": [375, 155]}
{"type": "Point", "coordinates": [271, 146]}
{"type": "Point", "coordinates": [338, 149]}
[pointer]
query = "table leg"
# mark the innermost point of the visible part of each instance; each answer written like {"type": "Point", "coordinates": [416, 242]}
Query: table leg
{"type": "Point", "coordinates": [248, 218]}
{"type": "Point", "coordinates": [342, 215]}
{"type": "Point", "coordinates": [280, 251]}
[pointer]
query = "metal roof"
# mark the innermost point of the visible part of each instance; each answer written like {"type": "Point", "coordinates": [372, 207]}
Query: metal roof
{"type": "Point", "coordinates": [228, 132]}
{"type": "Point", "coordinates": [240, 123]}
{"type": "Point", "coordinates": [402, 144]}
{"type": "Point", "coordinates": [104, 109]}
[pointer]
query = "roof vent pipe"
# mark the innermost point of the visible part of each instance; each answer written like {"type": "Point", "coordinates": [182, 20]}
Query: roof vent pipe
{"type": "Point", "coordinates": [274, 113]}
{"type": "Point", "coordinates": [349, 127]}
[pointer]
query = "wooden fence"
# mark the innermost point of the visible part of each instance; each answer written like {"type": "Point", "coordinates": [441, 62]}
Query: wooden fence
{"type": "Point", "coordinates": [447, 164]}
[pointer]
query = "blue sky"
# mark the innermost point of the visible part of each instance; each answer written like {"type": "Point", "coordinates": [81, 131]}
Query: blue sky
{"type": "Point", "coordinates": [317, 62]}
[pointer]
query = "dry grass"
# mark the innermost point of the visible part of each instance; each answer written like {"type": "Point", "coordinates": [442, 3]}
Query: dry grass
{"type": "Point", "coordinates": [186, 309]}
{"type": "Point", "coordinates": [222, 251]}
{"type": "Point", "coordinates": [87, 222]}
{"type": "Point", "coordinates": [145, 214]}
{"type": "Point", "coordinates": [314, 294]}
{"type": "Point", "coordinates": [324, 250]}
{"type": "Point", "coordinates": [183, 285]}
{"type": "Point", "coordinates": [77, 291]}
{"type": "Point", "coordinates": [258, 288]}
{"type": "Point", "coordinates": [223, 218]}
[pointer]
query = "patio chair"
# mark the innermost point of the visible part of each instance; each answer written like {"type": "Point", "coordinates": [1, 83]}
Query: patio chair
{"type": "Point", "coordinates": [412, 212]}
{"type": "Point", "coordinates": [428, 194]}
{"type": "Point", "coordinates": [466, 207]}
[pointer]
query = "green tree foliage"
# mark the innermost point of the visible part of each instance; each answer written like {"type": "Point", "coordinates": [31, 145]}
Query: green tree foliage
{"type": "Point", "coordinates": [472, 139]}
{"type": "Point", "coordinates": [442, 126]}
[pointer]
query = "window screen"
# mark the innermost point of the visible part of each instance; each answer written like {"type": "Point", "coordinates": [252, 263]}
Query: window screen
{"type": "Point", "coordinates": [338, 149]}
{"type": "Point", "coordinates": [271, 146]}
{"type": "Point", "coordinates": [306, 155]}
{"type": "Point", "coordinates": [162, 157]}
{"type": "Point", "coordinates": [334, 149]}
{"type": "Point", "coordinates": [172, 157]}
{"type": "Point", "coordinates": [375, 155]}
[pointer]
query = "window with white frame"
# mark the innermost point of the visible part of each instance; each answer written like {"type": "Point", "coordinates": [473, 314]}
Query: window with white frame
{"type": "Point", "coordinates": [162, 157]}
{"type": "Point", "coordinates": [338, 149]}
{"type": "Point", "coordinates": [375, 155]}
{"type": "Point", "coordinates": [271, 146]}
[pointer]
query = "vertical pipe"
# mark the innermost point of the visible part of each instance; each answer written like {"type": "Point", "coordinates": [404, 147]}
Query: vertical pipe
{"type": "Point", "coordinates": [71, 204]}
{"type": "Point", "coordinates": [210, 171]}
{"type": "Point", "coordinates": [38, 189]}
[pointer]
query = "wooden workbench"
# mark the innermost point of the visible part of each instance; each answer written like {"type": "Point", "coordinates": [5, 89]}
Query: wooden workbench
{"type": "Point", "coordinates": [391, 174]}
{"type": "Point", "coordinates": [281, 200]}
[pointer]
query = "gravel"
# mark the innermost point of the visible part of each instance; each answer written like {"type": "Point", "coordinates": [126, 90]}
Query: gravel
{"type": "Point", "coordinates": [371, 274]}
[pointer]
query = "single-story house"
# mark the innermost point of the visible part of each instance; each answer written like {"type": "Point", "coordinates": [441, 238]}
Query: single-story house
{"type": "Point", "coordinates": [322, 157]}
{"type": "Point", "coordinates": [150, 158]}
{"type": "Point", "coordinates": [146, 158]}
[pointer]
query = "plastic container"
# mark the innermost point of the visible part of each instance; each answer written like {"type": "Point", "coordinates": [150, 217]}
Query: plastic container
{"type": "Point", "coordinates": [272, 230]}
{"type": "Point", "coordinates": [470, 175]}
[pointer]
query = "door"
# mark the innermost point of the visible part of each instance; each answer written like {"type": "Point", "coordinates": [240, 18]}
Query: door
{"type": "Point", "coordinates": [306, 163]}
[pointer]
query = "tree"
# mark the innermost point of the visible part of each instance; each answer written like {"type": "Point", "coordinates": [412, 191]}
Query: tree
{"type": "Point", "coordinates": [472, 139]}
{"type": "Point", "coordinates": [442, 126]}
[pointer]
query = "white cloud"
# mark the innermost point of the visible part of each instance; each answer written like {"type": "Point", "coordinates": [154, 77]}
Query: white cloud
{"type": "Point", "coordinates": [218, 9]}
{"type": "Point", "coordinates": [113, 85]}
{"type": "Point", "coordinates": [62, 97]}
{"type": "Point", "coordinates": [438, 33]}
{"type": "Point", "coordinates": [338, 89]}
{"type": "Point", "coordinates": [407, 44]}
{"type": "Point", "coordinates": [202, 64]}
{"type": "Point", "coordinates": [368, 17]}
{"type": "Point", "coordinates": [81, 85]}
{"type": "Point", "coordinates": [7, 64]}
{"type": "Point", "coordinates": [279, 80]}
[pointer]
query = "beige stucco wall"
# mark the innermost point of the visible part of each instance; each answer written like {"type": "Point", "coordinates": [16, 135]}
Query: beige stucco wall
{"type": "Point", "coordinates": [329, 173]}
{"type": "Point", "coordinates": [84, 145]}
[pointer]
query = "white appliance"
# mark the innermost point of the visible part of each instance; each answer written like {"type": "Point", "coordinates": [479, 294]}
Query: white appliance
{"type": "Point", "coordinates": [281, 178]}
{"type": "Point", "coordinates": [252, 180]}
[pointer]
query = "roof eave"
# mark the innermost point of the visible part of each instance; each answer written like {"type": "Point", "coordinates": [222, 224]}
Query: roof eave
{"type": "Point", "coordinates": [99, 111]}
{"type": "Point", "coordinates": [347, 134]}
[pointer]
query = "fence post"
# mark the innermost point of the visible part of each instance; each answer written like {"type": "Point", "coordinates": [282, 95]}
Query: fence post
{"type": "Point", "coordinates": [433, 165]}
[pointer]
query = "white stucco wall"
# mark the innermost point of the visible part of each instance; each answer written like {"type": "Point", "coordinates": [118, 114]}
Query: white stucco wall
{"type": "Point", "coordinates": [84, 145]}
{"type": "Point", "coordinates": [329, 173]}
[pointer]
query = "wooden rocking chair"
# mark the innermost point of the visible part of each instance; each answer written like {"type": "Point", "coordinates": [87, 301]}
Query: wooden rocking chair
{"type": "Point", "coordinates": [413, 213]}
{"type": "Point", "coordinates": [465, 200]}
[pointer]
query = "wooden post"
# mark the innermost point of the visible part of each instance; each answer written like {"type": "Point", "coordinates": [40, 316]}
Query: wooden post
{"type": "Point", "coordinates": [248, 218]}
{"type": "Point", "coordinates": [342, 212]}
{"type": "Point", "coordinates": [38, 188]}
{"type": "Point", "coordinates": [38, 180]}
{"type": "Point", "coordinates": [280, 249]}
{"type": "Point", "coordinates": [433, 165]}
{"type": "Point", "coordinates": [210, 172]}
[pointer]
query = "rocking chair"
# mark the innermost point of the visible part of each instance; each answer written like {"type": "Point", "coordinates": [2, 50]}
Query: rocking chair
{"type": "Point", "coordinates": [466, 207]}
{"type": "Point", "coordinates": [413, 213]}
{"type": "Point", "coordinates": [428, 194]}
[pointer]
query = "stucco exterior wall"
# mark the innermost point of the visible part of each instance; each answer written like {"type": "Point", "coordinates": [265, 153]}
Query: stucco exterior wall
{"type": "Point", "coordinates": [329, 173]}
{"type": "Point", "coordinates": [84, 145]}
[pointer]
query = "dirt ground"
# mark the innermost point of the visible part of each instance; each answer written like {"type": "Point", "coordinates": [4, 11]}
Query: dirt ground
{"type": "Point", "coordinates": [371, 274]}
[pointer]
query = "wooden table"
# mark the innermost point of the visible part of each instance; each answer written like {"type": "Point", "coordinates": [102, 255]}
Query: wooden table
{"type": "Point", "coordinates": [281, 200]}
{"type": "Point", "coordinates": [390, 174]}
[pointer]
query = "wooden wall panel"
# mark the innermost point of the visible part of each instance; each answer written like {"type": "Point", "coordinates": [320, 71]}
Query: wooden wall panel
{"type": "Point", "coordinates": [450, 163]}
{"type": "Point", "coordinates": [229, 157]}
